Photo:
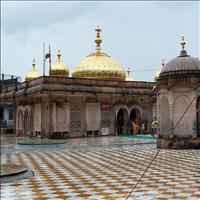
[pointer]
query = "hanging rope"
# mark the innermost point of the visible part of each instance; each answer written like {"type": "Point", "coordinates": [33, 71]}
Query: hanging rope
{"type": "Point", "coordinates": [198, 93]}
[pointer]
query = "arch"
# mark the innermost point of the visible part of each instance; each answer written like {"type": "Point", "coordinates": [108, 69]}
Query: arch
{"type": "Point", "coordinates": [26, 123]}
{"type": "Point", "coordinates": [184, 128]}
{"type": "Point", "coordinates": [198, 116]}
{"type": "Point", "coordinates": [121, 106]}
{"type": "Point", "coordinates": [164, 120]}
{"type": "Point", "coordinates": [138, 108]}
{"type": "Point", "coordinates": [122, 121]}
{"type": "Point", "coordinates": [135, 112]}
{"type": "Point", "coordinates": [180, 96]}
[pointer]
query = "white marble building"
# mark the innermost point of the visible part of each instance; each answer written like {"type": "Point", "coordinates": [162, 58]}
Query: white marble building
{"type": "Point", "coordinates": [178, 101]}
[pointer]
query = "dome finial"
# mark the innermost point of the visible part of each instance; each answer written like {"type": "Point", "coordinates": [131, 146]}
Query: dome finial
{"type": "Point", "coordinates": [129, 77]}
{"type": "Point", "coordinates": [33, 64]}
{"type": "Point", "coordinates": [183, 41]}
{"type": "Point", "coordinates": [98, 38]}
{"type": "Point", "coordinates": [162, 63]}
{"type": "Point", "coordinates": [59, 54]}
{"type": "Point", "coordinates": [33, 72]}
{"type": "Point", "coordinates": [59, 68]}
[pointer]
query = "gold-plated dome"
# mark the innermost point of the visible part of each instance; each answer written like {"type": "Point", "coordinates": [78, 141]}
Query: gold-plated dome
{"type": "Point", "coordinates": [59, 68]}
{"type": "Point", "coordinates": [129, 77]}
{"type": "Point", "coordinates": [159, 71]}
{"type": "Point", "coordinates": [99, 64]}
{"type": "Point", "coordinates": [33, 73]}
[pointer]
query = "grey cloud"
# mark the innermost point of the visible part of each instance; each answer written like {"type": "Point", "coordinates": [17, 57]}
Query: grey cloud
{"type": "Point", "coordinates": [23, 16]}
{"type": "Point", "coordinates": [137, 34]}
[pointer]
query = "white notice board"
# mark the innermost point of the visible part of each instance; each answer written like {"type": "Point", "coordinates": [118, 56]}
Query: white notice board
{"type": "Point", "coordinates": [104, 131]}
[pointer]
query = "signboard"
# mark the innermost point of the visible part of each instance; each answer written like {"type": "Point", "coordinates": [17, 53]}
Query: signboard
{"type": "Point", "coordinates": [104, 131]}
{"type": "Point", "coordinates": [105, 107]}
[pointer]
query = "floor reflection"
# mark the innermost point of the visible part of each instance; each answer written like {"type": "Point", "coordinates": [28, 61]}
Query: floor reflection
{"type": "Point", "coordinates": [102, 168]}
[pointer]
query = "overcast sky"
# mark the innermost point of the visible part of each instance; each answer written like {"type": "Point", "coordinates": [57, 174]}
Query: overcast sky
{"type": "Point", "coordinates": [137, 34]}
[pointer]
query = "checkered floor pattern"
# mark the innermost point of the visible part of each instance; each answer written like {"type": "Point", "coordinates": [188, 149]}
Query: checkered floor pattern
{"type": "Point", "coordinates": [106, 174]}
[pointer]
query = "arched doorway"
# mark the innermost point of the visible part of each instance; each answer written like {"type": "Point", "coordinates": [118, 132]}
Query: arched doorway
{"type": "Point", "coordinates": [198, 116]}
{"type": "Point", "coordinates": [122, 122]}
{"type": "Point", "coordinates": [135, 116]}
{"type": "Point", "coordinates": [26, 123]}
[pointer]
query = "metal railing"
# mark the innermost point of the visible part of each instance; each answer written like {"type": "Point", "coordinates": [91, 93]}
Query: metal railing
{"type": "Point", "coordinates": [7, 79]}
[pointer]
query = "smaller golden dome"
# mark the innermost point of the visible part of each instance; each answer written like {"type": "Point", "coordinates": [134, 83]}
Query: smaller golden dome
{"type": "Point", "coordinates": [33, 73]}
{"type": "Point", "coordinates": [59, 68]}
{"type": "Point", "coordinates": [157, 76]}
{"type": "Point", "coordinates": [128, 76]}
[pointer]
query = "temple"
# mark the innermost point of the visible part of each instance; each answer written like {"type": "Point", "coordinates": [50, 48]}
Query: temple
{"type": "Point", "coordinates": [100, 98]}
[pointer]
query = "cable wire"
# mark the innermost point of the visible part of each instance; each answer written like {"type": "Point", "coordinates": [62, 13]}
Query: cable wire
{"type": "Point", "coordinates": [198, 93]}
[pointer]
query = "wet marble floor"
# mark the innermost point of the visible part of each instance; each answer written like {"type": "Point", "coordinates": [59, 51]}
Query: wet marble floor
{"type": "Point", "coordinates": [102, 168]}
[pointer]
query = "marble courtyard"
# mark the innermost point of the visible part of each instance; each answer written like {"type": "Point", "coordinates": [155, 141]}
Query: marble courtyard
{"type": "Point", "coordinates": [101, 168]}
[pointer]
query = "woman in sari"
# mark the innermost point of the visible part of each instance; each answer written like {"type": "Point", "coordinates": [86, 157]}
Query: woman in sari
{"type": "Point", "coordinates": [134, 128]}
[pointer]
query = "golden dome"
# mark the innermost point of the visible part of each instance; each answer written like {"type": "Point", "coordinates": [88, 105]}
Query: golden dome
{"type": "Point", "coordinates": [99, 64]}
{"type": "Point", "coordinates": [33, 73]}
{"type": "Point", "coordinates": [129, 77]}
{"type": "Point", "coordinates": [59, 68]}
{"type": "Point", "coordinates": [157, 76]}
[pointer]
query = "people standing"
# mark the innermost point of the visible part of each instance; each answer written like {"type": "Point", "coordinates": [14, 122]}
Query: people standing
{"type": "Point", "coordinates": [154, 127]}
{"type": "Point", "coordinates": [134, 128]}
{"type": "Point", "coordinates": [143, 128]}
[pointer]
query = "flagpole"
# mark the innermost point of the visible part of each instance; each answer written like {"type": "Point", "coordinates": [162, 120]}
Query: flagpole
{"type": "Point", "coordinates": [49, 59]}
{"type": "Point", "coordinates": [43, 59]}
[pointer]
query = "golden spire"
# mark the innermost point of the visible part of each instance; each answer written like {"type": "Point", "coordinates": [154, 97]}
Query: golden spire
{"type": "Point", "coordinates": [59, 68]}
{"type": "Point", "coordinates": [162, 63]}
{"type": "Point", "coordinates": [128, 72]}
{"type": "Point", "coordinates": [33, 73]}
{"type": "Point", "coordinates": [33, 64]}
{"type": "Point", "coordinates": [59, 54]}
{"type": "Point", "coordinates": [129, 77]}
{"type": "Point", "coordinates": [157, 76]}
{"type": "Point", "coordinates": [98, 38]}
{"type": "Point", "coordinates": [183, 41]}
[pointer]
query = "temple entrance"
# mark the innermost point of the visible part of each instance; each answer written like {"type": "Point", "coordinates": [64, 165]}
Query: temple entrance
{"type": "Point", "coordinates": [122, 122]}
{"type": "Point", "coordinates": [198, 116]}
{"type": "Point", "coordinates": [136, 119]}
{"type": "Point", "coordinates": [134, 114]}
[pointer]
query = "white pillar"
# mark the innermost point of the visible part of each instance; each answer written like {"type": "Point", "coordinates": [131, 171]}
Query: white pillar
{"type": "Point", "coordinates": [194, 114]}
{"type": "Point", "coordinates": [54, 117]}
{"type": "Point", "coordinates": [158, 114]}
{"type": "Point", "coordinates": [171, 110]}
{"type": "Point", "coordinates": [194, 120]}
{"type": "Point", "coordinates": [158, 110]}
